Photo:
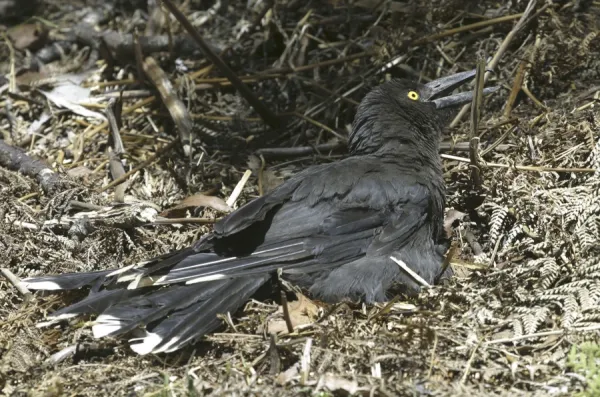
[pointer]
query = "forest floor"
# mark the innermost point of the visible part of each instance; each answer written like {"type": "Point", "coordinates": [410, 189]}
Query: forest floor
{"type": "Point", "coordinates": [521, 316]}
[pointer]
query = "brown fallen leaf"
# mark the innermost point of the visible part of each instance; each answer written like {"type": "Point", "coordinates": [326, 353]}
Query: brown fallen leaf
{"type": "Point", "coordinates": [197, 200]}
{"type": "Point", "coordinates": [303, 311]}
{"type": "Point", "coordinates": [29, 35]}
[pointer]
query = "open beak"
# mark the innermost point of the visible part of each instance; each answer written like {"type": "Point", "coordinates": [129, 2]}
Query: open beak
{"type": "Point", "coordinates": [440, 91]}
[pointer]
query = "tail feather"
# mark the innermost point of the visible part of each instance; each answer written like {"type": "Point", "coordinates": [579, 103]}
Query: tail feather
{"type": "Point", "coordinates": [96, 303]}
{"type": "Point", "coordinates": [201, 285]}
{"type": "Point", "coordinates": [186, 325]}
{"type": "Point", "coordinates": [66, 281]}
{"type": "Point", "coordinates": [128, 314]}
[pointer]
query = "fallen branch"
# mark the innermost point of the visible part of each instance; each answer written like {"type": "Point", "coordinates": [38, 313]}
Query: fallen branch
{"type": "Point", "coordinates": [265, 113]}
{"type": "Point", "coordinates": [16, 159]}
{"type": "Point", "coordinates": [14, 280]}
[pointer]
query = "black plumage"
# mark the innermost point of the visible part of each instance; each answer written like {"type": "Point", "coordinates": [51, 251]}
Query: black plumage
{"type": "Point", "coordinates": [331, 229]}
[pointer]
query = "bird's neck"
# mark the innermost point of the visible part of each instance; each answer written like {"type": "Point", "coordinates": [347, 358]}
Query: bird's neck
{"type": "Point", "coordinates": [409, 149]}
{"type": "Point", "coordinates": [414, 135]}
{"type": "Point", "coordinates": [392, 143]}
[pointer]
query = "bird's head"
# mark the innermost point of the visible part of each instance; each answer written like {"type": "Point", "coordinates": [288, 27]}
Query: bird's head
{"type": "Point", "coordinates": [407, 113]}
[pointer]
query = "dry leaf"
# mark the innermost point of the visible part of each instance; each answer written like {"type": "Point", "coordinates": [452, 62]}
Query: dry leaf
{"type": "Point", "coordinates": [335, 383]}
{"type": "Point", "coordinates": [62, 98]}
{"type": "Point", "coordinates": [269, 179]}
{"type": "Point", "coordinates": [452, 216]}
{"type": "Point", "coordinates": [79, 172]}
{"type": "Point", "coordinates": [303, 311]}
{"type": "Point", "coordinates": [197, 200]}
{"type": "Point", "coordinates": [30, 35]}
{"type": "Point", "coordinates": [289, 374]}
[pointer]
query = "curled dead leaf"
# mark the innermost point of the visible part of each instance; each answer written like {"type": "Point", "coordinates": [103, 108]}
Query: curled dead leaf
{"type": "Point", "coordinates": [197, 200]}
{"type": "Point", "coordinates": [302, 311]}
{"type": "Point", "coordinates": [28, 35]}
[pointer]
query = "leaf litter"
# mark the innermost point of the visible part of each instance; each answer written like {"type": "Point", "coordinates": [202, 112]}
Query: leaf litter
{"type": "Point", "coordinates": [527, 286]}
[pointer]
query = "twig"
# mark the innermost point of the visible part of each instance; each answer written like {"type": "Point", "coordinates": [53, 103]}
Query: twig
{"type": "Point", "coordinates": [463, 379]}
{"type": "Point", "coordinates": [435, 343]}
{"type": "Point", "coordinates": [496, 144]}
{"type": "Point", "coordinates": [286, 312]}
{"type": "Point", "coordinates": [12, 82]}
{"type": "Point", "coordinates": [447, 260]}
{"type": "Point", "coordinates": [305, 361]}
{"type": "Point", "coordinates": [161, 152]}
{"type": "Point", "coordinates": [500, 52]}
{"type": "Point", "coordinates": [495, 251]}
{"type": "Point", "coordinates": [85, 206]}
{"type": "Point", "coordinates": [410, 272]}
{"type": "Point", "coordinates": [519, 167]}
{"type": "Point", "coordinates": [130, 109]}
{"type": "Point", "coordinates": [476, 179]}
{"type": "Point", "coordinates": [121, 44]}
{"type": "Point", "coordinates": [177, 110]}
{"type": "Point", "coordinates": [197, 221]}
{"type": "Point", "coordinates": [238, 188]}
{"type": "Point", "coordinates": [311, 66]}
{"type": "Point", "coordinates": [113, 115]}
{"type": "Point", "coordinates": [14, 280]}
{"type": "Point", "coordinates": [265, 113]}
{"type": "Point", "coordinates": [16, 159]}
{"type": "Point", "coordinates": [385, 309]}
{"type": "Point", "coordinates": [320, 125]}
{"type": "Point", "coordinates": [473, 26]}
{"type": "Point", "coordinates": [274, 356]}
{"type": "Point", "coordinates": [299, 150]}
{"type": "Point", "coordinates": [545, 333]}
{"type": "Point", "coordinates": [538, 103]}
{"type": "Point", "coordinates": [261, 172]}
{"type": "Point", "coordinates": [517, 84]}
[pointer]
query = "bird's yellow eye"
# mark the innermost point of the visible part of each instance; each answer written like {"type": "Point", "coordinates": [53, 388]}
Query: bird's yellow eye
{"type": "Point", "coordinates": [413, 95]}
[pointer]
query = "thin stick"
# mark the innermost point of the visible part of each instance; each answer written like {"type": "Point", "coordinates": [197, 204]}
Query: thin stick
{"type": "Point", "coordinates": [12, 83]}
{"type": "Point", "coordinates": [238, 188]}
{"type": "Point", "coordinates": [501, 50]}
{"type": "Point", "coordinates": [517, 84]}
{"type": "Point", "coordinates": [286, 312]}
{"type": "Point", "coordinates": [475, 114]}
{"type": "Point", "coordinates": [265, 113]}
{"type": "Point", "coordinates": [498, 141]}
{"type": "Point", "coordinates": [463, 379]}
{"type": "Point", "coordinates": [473, 26]}
{"type": "Point", "coordinates": [320, 125]}
{"type": "Point", "coordinates": [518, 167]}
{"type": "Point", "coordinates": [545, 333]}
{"type": "Point", "coordinates": [435, 343]}
{"type": "Point", "coordinates": [305, 361]}
{"type": "Point", "coordinates": [14, 280]}
{"type": "Point", "coordinates": [410, 272]}
{"type": "Point", "coordinates": [161, 152]}
{"type": "Point", "coordinates": [198, 221]}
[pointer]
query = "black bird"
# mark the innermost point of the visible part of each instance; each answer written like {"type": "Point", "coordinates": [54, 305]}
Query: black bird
{"type": "Point", "coordinates": [331, 229]}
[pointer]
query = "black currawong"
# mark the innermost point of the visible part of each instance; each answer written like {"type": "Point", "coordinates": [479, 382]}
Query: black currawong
{"type": "Point", "coordinates": [331, 229]}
